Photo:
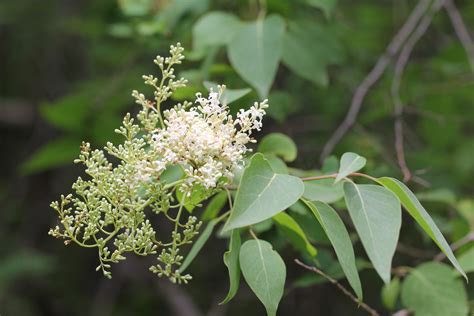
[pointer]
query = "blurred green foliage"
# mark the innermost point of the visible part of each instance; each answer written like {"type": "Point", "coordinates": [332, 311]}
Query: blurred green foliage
{"type": "Point", "coordinates": [72, 66]}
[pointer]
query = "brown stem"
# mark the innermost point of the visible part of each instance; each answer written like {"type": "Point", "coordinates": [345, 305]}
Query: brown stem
{"type": "Point", "coordinates": [334, 175]}
{"type": "Point", "coordinates": [366, 307]}
{"type": "Point", "coordinates": [461, 30]}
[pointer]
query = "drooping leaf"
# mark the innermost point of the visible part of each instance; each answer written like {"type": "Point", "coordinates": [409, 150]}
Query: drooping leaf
{"type": "Point", "coordinates": [350, 162]}
{"type": "Point", "coordinates": [264, 271]}
{"type": "Point", "coordinates": [432, 290]}
{"type": "Point", "coordinates": [327, 6]}
{"type": "Point", "coordinates": [214, 29]}
{"type": "Point", "coordinates": [309, 47]}
{"type": "Point", "coordinates": [390, 293]}
{"type": "Point", "coordinates": [215, 205]}
{"type": "Point", "coordinates": [231, 260]}
{"type": "Point", "coordinates": [294, 233]}
{"type": "Point", "coordinates": [418, 212]}
{"type": "Point", "coordinates": [324, 190]}
{"type": "Point", "coordinates": [262, 194]}
{"type": "Point", "coordinates": [376, 214]}
{"type": "Point", "coordinates": [280, 145]}
{"type": "Point", "coordinates": [197, 246]}
{"type": "Point", "coordinates": [229, 95]}
{"type": "Point", "coordinates": [255, 52]}
{"type": "Point", "coordinates": [339, 237]}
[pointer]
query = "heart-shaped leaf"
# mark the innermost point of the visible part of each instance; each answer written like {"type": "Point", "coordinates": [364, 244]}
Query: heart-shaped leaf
{"type": "Point", "coordinates": [262, 194]}
{"type": "Point", "coordinates": [377, 217]}
{"type": "Point", "coordinates": [255, 52]}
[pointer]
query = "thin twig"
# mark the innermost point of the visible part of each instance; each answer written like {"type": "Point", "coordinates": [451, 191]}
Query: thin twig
{"type": "Point", "coordinates": [366, 307]}
{"type": "Point", "coordinates": [456, 245]}
{"type": "Point", "coordinates": [461, 30]}
{"type": "Point", "coordinates": [374, 75]}
{"type": "Point", "coordinates": [400, 67]}
{"type": "Point", "coordinates": [334, 175]}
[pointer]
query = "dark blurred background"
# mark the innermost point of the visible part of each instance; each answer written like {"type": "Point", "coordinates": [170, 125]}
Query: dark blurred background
{"type": "Point", "coordinates": [67, 69]}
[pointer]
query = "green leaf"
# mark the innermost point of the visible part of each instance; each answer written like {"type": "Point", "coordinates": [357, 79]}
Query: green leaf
{"type": "Point", "coordinates": [229, 95]}
{"type": "Point", "coordinates": [327, 6]}
{"type": "Point", "coordinates": [172, 173]}
{"type": "Point", "coordinates": [264, 271]}
{"type": "Point", "coordinates": [432, 290]}
{"type": "Point", "coordinates": [324, 190]}
{"type": "Point", "coordinates": [377, 217]}
{"type": "Point", "coordinates": [294, 233]}
{"type": "Point", "coordinates": [200, 242]}
{"type": "Point", "coordinates": [280, 145]}
{"type": "Point", "coordinates": [54, 154]}
{"type": "Point", "coordinates": [278, 165]}
{"type": "Point", "coordinates": [215, 29]}
{"type": "Point", "coordinates": [135, 7]}
{"type": "Point", "coordinates": [282, 105]}
{"type": "Point", "coordinates": [390, 293]}
{"type": "Point", "coordinates": [350, 162]}
{"type": "Point", "coordinates": [341, 241]}
{"type": "Point", "coordinates": [309, 47]}
{"type": "Point", "coordinates": [255, 52]}
{"type": "Point", "coordinates": [198, 194]}
{"type": "Point", "coordinates": [418, 212]}
{"type": "Point", "coordinates": [68, 113]}
{"type": "Point", "coordinates": [215, 205]}
{"type": "Point", "coordinates": [231, 260]}
{"type": "Point", "coordinates": [466, 260]}
{"type": "Point", "coordinates": [262, 194]}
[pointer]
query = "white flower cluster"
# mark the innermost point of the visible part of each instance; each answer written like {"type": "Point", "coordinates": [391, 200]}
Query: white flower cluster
{"type": "Point", "coordinates": [205, 139]}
